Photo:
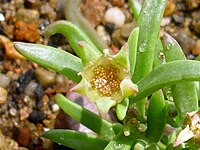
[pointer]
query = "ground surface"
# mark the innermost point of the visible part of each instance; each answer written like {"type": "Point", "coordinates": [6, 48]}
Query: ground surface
{"type": "Point", "coordinates": [27, 105]}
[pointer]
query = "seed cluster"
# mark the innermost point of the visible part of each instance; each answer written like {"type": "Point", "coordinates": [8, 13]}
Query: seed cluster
{"type": "Point", "coordinates": [106, 80]}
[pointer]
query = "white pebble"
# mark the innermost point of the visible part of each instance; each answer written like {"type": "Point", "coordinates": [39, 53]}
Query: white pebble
{"type": "Point", "coordinates": [5, 80]}
{"type": "Point", "coordinates": [165, 21]}
{"type": "Point", "coordinates": [13, 112]}
{"type": "Point", "coordinates": [114, 15]}
{"type": "Point", "coordinates": [3, 95]}
{"type": "Point", "coordinates": [29, 90]}
{"type": "Point", "coordinates": [55, 108]}
{"type": "Point", "coordinates": [103, 34]}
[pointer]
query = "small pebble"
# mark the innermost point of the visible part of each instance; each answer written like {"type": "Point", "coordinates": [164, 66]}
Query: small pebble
{"type": "Point", "coordinates": [97, 7]}
{"type": "Point", "coordinates": [29, 90]}
{"type": "Point", "coordinates": [3, 95]}
{"type": "Point", "coordinates": [55, 107]}
{"type": "Point", "coordinates": [26, 32]}
{"type": "Point", "coordinates": [2, 17]}
{"type": "Point", "coordinates": [23, 80]}
{"type": "Point", "coordinates": [7, 29]}
{"type": "Point", "coordinates": [38, 92]}
{"type": "Point", "coordinates": [24, 136]}
{"type": "Point", "coordinates": [13, 112]}
{"type": "Point", "coordinates": [45, 77]}
{"type": "Point", "coordinates": [196, 48]}
{"type": "Point", "coordinates": [169, 9]}
{"type": "Point", "coordinates": [196, 21]}
{"type": "Point", "coordinates": [165, 21]}
{"type": "Point", "coordinates": [26, 99]}
{"type": "Point", "coordinates": [24, 113]}
{"type": "Point", "coordinates": [48, 11]}
{"type": "Point", "coordinates": [114, 15]}
{"type": "Point", "coordinates": [126, 29]}
{"type": "Point", "coordinates": [117, 39]}
{"type": "Point", "coordinates": [37, 116]}
{"type": "Point", "coordinates": [192, 4]}
{"type": "Point", "coordinates": [19, 3]}
{"type": "Point", "coordinates": [127, 14]}
{"type": "Point", "coordinates": [117, 2]}
{"type": "Point", "coordinates": [27, 15]}
{"type": "Point", "coordinates": [185, 41]}
{"type": "Point", "coordinates": [2, 139]}
{"type": "Point", "coordinates": [103, 34]}
{"type": "Point", "coordinates": [9, 48]}
{"type": "Point", "coordinates": [4, 80]}
{"type": "Point", "coordinates": [178, 17]}
{"type": "Point", "coordinates": [10, 144]}
{"type": "Point", "coordinates": [110, 27]}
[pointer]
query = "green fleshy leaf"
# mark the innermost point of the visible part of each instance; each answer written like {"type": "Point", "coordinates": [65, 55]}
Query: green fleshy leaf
{"type": "Point", "coordinates": [152, 146]}
{"type": "Point", "coordinates": [87, 54]}
{"type": "Point", "coordinates": [100, 126]}
{"type": "Point", "coordinates": [128, 87]}
{"type": "Point", "coordinates": [123, 142]}
{"type": "Point", "coordinates": [73, 14]}
{"type": "Point", "coordinates": [149, 23]}
{"type": "Point", "coordinates": [104, 104]}
{"type": "Point", "coordinates": [122, 108]}
{"type": "Point", "coordinates": [184, 94]}
{"type": "Point", "coordinates": [122, 56]}
{"type": "Point", "coordinates": [159, 57]}
{"type": "Point", "coordinates": [76, 140]}
{"type": "Point", "coordinates": [72, 33]}
{"type": "Point", "coordinates": [156, 118]}
{"type": "Point", "coordinates": [133, 44]}
{"type": "Point", "coordinates": [135, 8]}
{"type": "Point", "coordinates": [167, 74]}
{"type": "Point", "coordinates": [52, 58]}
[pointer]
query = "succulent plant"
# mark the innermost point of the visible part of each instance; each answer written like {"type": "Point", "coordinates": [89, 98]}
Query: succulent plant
{"type": "Point", "coordinates": [150, 83]}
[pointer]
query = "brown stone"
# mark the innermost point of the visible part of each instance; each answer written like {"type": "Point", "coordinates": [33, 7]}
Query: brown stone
{"type": "Point", "coordinates": [196, 48]}
{"type": "Point", "coordinates": [3, 95]}
{"type": "Point", "coordinates": [11, 51]}
{"type": "Point", "coordinates": [117, 2]}
{"type": "Point", "coordinates": [26, 32]}
{"type": "Point", "coordinates": [93, 10]}
{"type": "Point", "coordinates": [192, 4]}
{"type": "Point", "coordinates": [169, 9]}
{"type": "Point", "coordinates": [24, 136]}
{"type": "Point", "coordinates": [9, 48]}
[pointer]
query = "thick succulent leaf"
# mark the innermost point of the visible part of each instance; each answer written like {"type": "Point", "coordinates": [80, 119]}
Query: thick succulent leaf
{"type": "Point", "coordinates": [52, 58]}
{"type": "Point", "coordinates": [184, 94]}
{"type": "Point", "coordinates": [167, 74]}
{"type": "Point", "coordinates": [148, 22]}
{"type": "Point", "coordinates": [148, 35]}
{"type": "Point", "coordinates": [100, 126]}
{"type": "Point", "coordinates": [76, 140]}
{"type": "Point", "coordinates": [122, 108]}
{"type": "Point", "coordinates": [88, 55]}
{"type": "Point", "coordinates": [156, 118]}
{"type": "Point", "coordinates": [73, 14]}
{"type": "Point", "coordinates": [135, 8]}
{"type": "Point", "coordinates": [132, 42]}
{"type": "Point", "coordinates": [72, 33]}
{"type": "Point", "coordinates": [159, 57]}
{"type": "Point", "coordinates": [123, 142]}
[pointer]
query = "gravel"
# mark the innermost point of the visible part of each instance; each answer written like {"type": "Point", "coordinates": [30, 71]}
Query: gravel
{"type": "Point", "coordinates": [27, 104]}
